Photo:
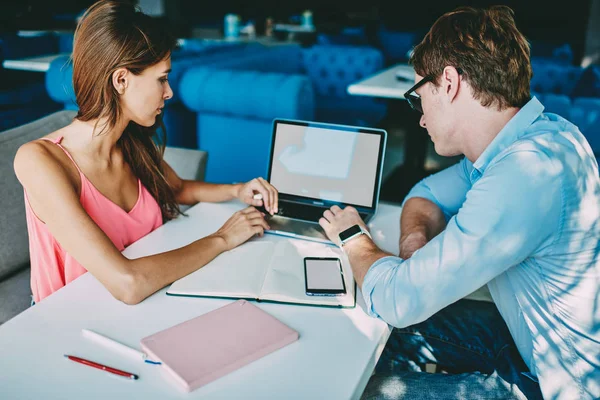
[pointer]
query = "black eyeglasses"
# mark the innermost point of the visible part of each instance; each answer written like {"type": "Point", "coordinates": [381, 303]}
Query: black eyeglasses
{"type": "Point", "coordinates": [414, 99]}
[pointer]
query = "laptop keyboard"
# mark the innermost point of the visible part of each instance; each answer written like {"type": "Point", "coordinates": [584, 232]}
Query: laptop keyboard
{"type": "Point", "coordinates": [301, 211]}
{"type": "Point", "coordinates": [304, 212]}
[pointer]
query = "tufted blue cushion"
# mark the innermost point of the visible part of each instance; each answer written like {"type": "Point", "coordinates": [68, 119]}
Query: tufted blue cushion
{"type": "Point", "coordinates": [554, 78]}
{"type": "Point", "coordinates": [589, 83]}
{"type": "Point", "coordinates": [558, 104]}
{"type": "Point", "coordinates": [247, 93]}
{"type": "Point", "coordinates": [333, 68]}
{"type": "Point", "coordinates": [585, 113]}
{"type": "Point", "coordinates": [284, 59]}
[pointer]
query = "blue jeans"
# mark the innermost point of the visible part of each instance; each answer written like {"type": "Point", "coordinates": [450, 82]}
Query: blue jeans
{"type": "Point", "coordinates": [470, 342]}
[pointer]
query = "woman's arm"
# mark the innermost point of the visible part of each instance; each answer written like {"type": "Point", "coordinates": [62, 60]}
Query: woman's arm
{"type": "Point", "coordinates": [191, 192]}
{"type": "Point", "coordinates": [129, 281]}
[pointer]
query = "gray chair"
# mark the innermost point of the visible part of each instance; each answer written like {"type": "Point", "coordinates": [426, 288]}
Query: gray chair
{"type": "Point", "coordinates": [15, 288]}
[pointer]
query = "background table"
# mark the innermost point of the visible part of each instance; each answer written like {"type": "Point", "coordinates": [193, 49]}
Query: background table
{"type": "Point", "coordinates": [333, 359]}
{"type": "Point", "coordinates": [37, 64]}
{"type": "Point", "coordinates": [385, 84]}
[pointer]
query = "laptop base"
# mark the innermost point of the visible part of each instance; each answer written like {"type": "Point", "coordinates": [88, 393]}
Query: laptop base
{"type": "Point", "coordinates": [297, 229]}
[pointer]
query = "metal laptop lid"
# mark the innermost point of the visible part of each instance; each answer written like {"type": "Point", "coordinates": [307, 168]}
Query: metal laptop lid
{"type": "Point", "coordinates": [327, 164]}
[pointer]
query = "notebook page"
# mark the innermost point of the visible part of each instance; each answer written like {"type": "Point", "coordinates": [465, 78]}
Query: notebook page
{"type": "Point", "coordinates": [235, 273]}
{"type": "Point", "coordinates": [285, 277]}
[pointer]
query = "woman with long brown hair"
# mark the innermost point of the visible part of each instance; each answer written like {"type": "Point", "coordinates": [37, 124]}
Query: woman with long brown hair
{"type": "Point", "coordinates": [97, 185]}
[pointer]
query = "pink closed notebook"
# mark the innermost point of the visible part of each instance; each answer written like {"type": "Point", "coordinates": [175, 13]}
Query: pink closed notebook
{"type": "Point", "coordinates": [205, 348]}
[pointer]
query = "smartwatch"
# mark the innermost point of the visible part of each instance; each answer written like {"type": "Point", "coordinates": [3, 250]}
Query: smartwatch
{"type": "Point", "coordinates": [351, 233]}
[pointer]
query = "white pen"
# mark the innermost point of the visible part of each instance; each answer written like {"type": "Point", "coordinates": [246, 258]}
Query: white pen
{"type": "Point", "coordinates": [113, 344]}
{"type": "Point", "coordinates": [257, 196]}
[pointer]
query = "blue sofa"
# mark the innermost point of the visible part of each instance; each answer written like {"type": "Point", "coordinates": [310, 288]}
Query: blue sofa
{"type": "Point", "coordinates": [330, 69]}
{"type": "Point", "coordinates": [235, 110]}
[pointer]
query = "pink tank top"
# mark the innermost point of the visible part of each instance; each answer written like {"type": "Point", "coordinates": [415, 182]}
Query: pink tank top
{"type": "Point", "coordinates": [52, 267]}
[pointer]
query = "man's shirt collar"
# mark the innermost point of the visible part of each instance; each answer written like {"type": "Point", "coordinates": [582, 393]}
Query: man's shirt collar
{"type": "Point", "coordinates": [512, 131]}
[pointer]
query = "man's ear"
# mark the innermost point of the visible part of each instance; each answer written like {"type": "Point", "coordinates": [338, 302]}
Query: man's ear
{"type": "Point", "coordinates": [120, 79]}
{"type": "Point", "coordinates": [450, 82]}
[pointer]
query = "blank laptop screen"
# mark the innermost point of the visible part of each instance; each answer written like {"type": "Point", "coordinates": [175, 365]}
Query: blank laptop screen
{"type": "Point", "coordinates": [325, 163]}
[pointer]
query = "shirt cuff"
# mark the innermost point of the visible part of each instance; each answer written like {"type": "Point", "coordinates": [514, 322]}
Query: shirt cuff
{"type": "Point", "coordinates": [374, 276]}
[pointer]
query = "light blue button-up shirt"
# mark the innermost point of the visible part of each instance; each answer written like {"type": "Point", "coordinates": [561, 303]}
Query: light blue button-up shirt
{"type": "Point", "coordinates": [525, 220]}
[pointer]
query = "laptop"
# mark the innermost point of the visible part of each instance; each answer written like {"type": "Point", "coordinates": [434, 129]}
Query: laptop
{"type": "Point", "coordinates": [316, 165]}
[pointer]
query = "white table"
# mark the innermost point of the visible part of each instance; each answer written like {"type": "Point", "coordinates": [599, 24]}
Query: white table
{"type": "Point", "coordinates": [333, 359]}
{"type": "Point", "coordinates": [385, 84]}
{"type": "Point", "coordinates": [38, 64]}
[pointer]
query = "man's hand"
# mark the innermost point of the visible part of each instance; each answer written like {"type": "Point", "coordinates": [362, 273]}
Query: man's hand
{"type": "Point", "coordinates": [259, 192]}
{"type": "Point", "coordinates": [362, 251]}
{"type": "Point", "coordinates": [411, 243]}
{"type": "Point", "coordinates": [336, 220]}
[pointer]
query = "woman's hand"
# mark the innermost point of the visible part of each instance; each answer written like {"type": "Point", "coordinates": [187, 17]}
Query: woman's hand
{"type": "Point", "coordinates": [258, 186]}
{"type": "Point", "coordinates": [241, 226]}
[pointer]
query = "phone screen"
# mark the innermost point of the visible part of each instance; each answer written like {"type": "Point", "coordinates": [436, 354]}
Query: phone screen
{"type": "Point", "coordinates": [324, 276]}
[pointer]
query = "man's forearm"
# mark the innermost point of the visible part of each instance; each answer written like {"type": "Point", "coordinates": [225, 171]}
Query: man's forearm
{"type": "Point", "coordinates": [362, 253]}
{"type": "Point", "coordinates": [421, 216]}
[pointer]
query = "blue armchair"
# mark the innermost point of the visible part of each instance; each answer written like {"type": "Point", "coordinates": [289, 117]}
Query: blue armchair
{"type": "Point", "coordinates": [558, 104]}
{"type": "Point", "coordinates": [235, 110]}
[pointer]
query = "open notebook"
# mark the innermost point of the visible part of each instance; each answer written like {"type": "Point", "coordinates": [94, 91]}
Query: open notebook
{"type": "Point", "coordinates": [265, 271]}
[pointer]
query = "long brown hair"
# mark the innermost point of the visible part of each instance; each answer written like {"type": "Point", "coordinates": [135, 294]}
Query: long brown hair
{"type": "Point", "coordinates": [112, 34]}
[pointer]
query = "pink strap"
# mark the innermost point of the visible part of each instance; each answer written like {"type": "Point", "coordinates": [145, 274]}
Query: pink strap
{"type": "Point", "coordinates": [57, 142]}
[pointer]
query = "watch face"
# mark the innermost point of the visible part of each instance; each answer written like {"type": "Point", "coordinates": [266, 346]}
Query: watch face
{"type": "Point", "coordinates": [353, 230]}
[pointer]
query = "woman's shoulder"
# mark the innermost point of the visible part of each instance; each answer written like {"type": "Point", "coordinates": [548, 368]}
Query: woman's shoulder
{"type": "Point", "coordinates": [43, 158]}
